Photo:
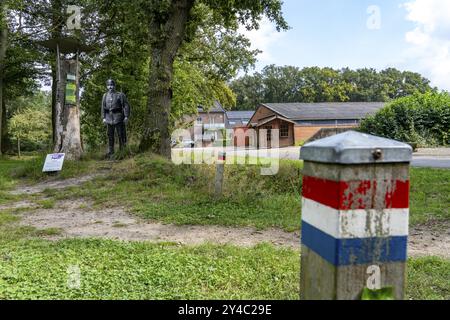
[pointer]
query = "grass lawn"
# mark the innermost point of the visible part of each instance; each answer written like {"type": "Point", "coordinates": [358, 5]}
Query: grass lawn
{"type": "Point", "coordinates": [37, 269]}
{"type": "Point", "coordinates": [430, 195]}
{"type": "Point", "coordinates": [34, 268]}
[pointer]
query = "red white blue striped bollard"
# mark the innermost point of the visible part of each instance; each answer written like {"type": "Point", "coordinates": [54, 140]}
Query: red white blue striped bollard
{"type": "Point", "coordinates": [355, 212]}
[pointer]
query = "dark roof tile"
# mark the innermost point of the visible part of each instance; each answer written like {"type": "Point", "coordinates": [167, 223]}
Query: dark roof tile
{"type": "Point", "coordinates": [326, 110]}
{"type": "Point", "coordinates": [240, 114]}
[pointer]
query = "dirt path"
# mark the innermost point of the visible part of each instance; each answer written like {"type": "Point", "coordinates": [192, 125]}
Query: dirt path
{"type": "Point", "coordinates": [53, 184]}
{"type": "Point", "coordinates": [78, 219]}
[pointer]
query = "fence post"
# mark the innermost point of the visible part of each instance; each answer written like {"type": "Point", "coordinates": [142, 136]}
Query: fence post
{"type": "Point", "coordinates": [355, 212]}
{"type": "Point", "coordinates": [220, 168]}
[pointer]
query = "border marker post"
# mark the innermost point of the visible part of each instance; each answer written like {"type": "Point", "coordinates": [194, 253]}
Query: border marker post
{"type": "Point", "coordinates": [355, 213]}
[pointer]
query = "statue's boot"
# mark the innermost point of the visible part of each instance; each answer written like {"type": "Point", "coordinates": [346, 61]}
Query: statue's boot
{"type": "Point", "coordinates": [110, 153]}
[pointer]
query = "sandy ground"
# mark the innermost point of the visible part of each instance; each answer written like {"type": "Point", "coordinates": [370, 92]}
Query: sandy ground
{"type": "Point", "coordinates": [77, 218]}
{"type": "Point", "coordinates": [53, 184]}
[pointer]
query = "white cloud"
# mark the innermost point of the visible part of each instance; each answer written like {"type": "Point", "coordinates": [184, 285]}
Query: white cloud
{"type": "Point", "coordinates": [263, 39]}
{"type": "Point", "coordinates": [429, 49]}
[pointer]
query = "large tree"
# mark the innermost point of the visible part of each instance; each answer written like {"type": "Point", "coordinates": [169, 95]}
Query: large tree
{"type": "Point", "coordinates": [19, 61]}
{"type": "Point", "coordinates": [170, 24]}
{"type": "Point", "coordinates": [212, 56]}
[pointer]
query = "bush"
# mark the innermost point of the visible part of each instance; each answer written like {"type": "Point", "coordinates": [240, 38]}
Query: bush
{"type": "Point", "coordinates": [421, 119]}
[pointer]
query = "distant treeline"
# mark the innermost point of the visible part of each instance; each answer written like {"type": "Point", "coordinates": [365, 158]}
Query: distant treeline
{"type": "Point", "coordinates": [291, 84]}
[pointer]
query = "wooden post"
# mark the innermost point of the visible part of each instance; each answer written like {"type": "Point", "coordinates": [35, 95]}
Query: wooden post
{"type": "Point", "coordinates": [68, 128]}
{"type": "Point", "coordinates": [354, 217]}
{"type": "Point", "coordinates": [220, 169]}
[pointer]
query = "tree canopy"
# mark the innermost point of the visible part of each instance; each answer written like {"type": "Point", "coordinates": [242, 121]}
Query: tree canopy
{"type": "Point", "coordinates": [313, 84]}
{"type": "Point", "coordinates": [182, 50]}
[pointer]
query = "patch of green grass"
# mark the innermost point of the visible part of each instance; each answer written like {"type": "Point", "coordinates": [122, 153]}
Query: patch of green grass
{"type": "Point", "coordinates": [46, 203]}
{"type": "Point", "coordinates": [6, 217]}
{"type": "Point", "coordinates": [116, 270]}
{"type": "Point", "coordinates": [430, 195]}
{"type": "Point", "coordinates": [37, 269]}
{"type": "Point", "coordinates": [29, 169]}
{"type": "Point", "coordinates": [428, 279]}
{"type": "Point", "coordinates": [48, 232]}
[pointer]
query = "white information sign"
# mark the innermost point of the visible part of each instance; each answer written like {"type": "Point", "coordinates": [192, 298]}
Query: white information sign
{"type": "Point", "coordinates": [54, 162]}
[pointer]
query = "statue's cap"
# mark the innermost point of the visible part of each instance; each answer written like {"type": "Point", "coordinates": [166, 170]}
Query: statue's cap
{"type": "Point", "coordinates": [110, 81]}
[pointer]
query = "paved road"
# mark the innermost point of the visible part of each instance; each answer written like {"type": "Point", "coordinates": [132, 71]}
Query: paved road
{"type": "Point", "coordinates": [419, 160]}
{"type": "Point", "coordinates": [431, 162]}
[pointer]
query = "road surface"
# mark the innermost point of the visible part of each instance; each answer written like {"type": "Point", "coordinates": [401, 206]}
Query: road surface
{"type": "Point", "coordinates": [424, 159]}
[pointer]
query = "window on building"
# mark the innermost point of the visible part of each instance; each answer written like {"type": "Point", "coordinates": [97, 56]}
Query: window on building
{"type": "Point", "coordinates": [284, 130]}
{"type": "Point", "coordinates": [199, 120]}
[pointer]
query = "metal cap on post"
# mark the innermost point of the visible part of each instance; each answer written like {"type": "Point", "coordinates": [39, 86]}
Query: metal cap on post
{"type": "Point", "coordinates": [355, 211]}
{"type": "Point", "coordinates": [358, 148]}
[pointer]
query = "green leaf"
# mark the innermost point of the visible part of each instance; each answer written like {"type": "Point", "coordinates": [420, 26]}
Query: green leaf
{"type": "Point", "coordinates": [381, 294]}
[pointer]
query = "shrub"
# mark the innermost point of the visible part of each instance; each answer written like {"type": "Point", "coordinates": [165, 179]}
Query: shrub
{"type": "Point", "coordinates": [420, 119]}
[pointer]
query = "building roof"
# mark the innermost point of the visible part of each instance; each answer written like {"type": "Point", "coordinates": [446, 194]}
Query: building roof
{"type": "Point", "coordinates": [267, 120]}
{"type": "Point", "coordinates": [326, 110]}
{"type": "Point", "coordinates": [216, 108]}
{"type": "Point", "coordinates": [240, 114]}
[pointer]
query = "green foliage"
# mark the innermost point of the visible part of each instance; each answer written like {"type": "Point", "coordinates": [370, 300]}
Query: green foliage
{"type": "Point", "coordinates": [421, 119]}
{"type": "Point", "coordinates": [381, 294]}
{"type": "Point", "coordinates": [31, 128]}
{"type": "Point", "coordinates": [291, 84]}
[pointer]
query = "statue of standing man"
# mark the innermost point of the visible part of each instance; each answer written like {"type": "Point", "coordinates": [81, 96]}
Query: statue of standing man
{"type": "Point", "coordinates": [115, 114]}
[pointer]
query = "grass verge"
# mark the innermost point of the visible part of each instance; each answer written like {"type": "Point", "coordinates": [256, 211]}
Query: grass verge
{"type": "Point", "coordinates": [37, 269]}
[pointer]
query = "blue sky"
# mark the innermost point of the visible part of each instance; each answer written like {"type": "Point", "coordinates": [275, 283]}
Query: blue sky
{"type": "Point", "coordinates": [409, 35]}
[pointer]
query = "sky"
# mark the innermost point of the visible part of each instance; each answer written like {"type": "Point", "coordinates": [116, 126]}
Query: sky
{"type": "Point", "coordinates": [409, 35]}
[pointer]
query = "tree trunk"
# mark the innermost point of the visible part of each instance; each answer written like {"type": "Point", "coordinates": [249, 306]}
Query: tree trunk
{"type": "Point", "coordinates": [18, 147]}
{"type": "Point", "coordinates": [3, 44]}
{"type": "Point", "coordinates": [4, 137]}
{"type": "Point", "coordinates": [68, 129]}
{"type": "Point", "coordinates": [57, 24]}
{"type": "Point", "coordinates": [164, 47]}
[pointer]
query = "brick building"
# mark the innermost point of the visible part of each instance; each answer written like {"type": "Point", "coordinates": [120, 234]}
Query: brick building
{"type": "Point", "coordinates": [298, 122]}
